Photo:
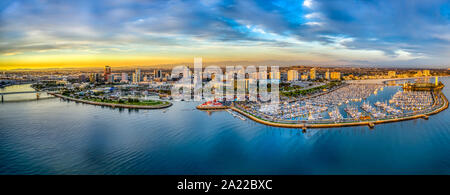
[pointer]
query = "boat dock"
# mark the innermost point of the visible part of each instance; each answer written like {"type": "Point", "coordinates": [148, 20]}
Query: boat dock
{"type": "Point", "coordinates": [370, 123]}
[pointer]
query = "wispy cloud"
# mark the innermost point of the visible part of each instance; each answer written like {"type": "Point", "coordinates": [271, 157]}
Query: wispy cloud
{"type": "Point", "coordinates": [303, 30]}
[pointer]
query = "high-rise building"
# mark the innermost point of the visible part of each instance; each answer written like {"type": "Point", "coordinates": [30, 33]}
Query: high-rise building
{"type": "Point", "coordinates": [110, 78]}
{"type": "Point", "coordinates": [292, 75]}
{"type": "Point", "coordinates": [159, 74]}
{"type": "Point", "coordinates": [335, 76]}
{"type": "Point", "coordinates": [275, 76]}
{"type": "Point", "coordinates": [137, 76]}
{"type": "Point", "coordinates": [304, 77]}
{"type": "Point", "coordinates": [106, 73]}
{"type": "Point", "coordinates": [327, 75]}
{"type": "Point", "coordinates": [94, 77]}
{"type": "Point", "coordinates": [312, 73]}
{"type": "Point", "coordinates": [124, 78]}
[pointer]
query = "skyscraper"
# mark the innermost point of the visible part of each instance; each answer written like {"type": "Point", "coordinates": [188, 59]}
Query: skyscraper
{"type": "Point", "coordinates": [94, 78]}
{"type": "Point", "coordinates": [292, 75]}
{"type": "Point", "coordinates": [312, 74]}
{"type": "Point", "coordinates": [335, 76]}
{"type": "Point", "coordinates": [124, 78]}
{"type": "Point", "coordinates": [159, 75]}
{"type": "Point", "coordinates": [277, 75]}
{"type": "Point", "coordinates": [106, 73]}
{"type": "Point", "coordinates": [137, 76]}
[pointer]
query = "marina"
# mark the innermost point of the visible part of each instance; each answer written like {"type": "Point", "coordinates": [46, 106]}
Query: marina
{"type": "Point", "coordinates": [348, 106]}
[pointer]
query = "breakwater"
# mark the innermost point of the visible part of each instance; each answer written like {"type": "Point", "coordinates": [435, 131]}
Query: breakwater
{"type": "Point", "coordinates": [112, 105]}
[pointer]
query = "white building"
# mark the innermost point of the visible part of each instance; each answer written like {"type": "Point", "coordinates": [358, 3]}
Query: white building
{"type": "Point", "coordinates": [312, 74]}
{"type": "Point", "coordinates": [137, 76]}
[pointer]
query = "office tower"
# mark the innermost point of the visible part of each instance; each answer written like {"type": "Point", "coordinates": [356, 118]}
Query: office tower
{"type": "Point", "coordinates": [94, 77]}
{"type": "Point", "coordinates": [106, 73]}
{"type": "Point", "coordinates": [110, 78]}
{"type": "Point", "coordinates": [275, 76]}
{"type": "Point", "coordinates": [137, 76]}
{"type": "Point", "coordinates": [312, 74]}
{"type": "Point", "coordinates": [292, 75]}
{"type": "Point", "coordinates": [327, 75]}
{"type": "Point", "coordinates": [124, 78]}
{"type": "Point", "coordinates": [335, 76]}
{"type": "Point", "coordinates": [159, 74]}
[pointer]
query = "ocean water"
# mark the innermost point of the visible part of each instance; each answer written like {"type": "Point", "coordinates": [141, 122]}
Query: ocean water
{"type": "Point", "coordinates": [52, 136]}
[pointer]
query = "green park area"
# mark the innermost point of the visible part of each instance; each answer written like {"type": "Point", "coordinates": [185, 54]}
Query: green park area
{"type": "Point", "coordinates": [129, 101]}
{"type": "Point", "coordinates": [313, 90]}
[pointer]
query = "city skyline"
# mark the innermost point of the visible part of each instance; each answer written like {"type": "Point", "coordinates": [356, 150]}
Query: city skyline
{"type": "Point", "coordinates": [48, 34]}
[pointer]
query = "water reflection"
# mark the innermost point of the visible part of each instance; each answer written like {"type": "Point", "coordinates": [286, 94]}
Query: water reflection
{"type": "Point", "coordinates": [60, 137]}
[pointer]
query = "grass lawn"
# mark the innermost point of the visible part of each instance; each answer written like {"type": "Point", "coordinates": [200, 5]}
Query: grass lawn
{"type": "Point", "coordinates": [140, 103]}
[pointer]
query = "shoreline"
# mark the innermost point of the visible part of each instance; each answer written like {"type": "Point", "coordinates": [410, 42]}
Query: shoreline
{"type": "Point", "coordinates": [370, 123]}
{"type": "Point", "coordinates": [110, 104]}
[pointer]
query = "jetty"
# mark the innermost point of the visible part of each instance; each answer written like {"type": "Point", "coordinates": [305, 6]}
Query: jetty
{"type": "Point", "coordinates": [112, 105]}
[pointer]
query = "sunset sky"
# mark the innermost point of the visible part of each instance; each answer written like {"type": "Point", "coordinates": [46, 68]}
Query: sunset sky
{"type": "Point", "coordinates": [86, 33]}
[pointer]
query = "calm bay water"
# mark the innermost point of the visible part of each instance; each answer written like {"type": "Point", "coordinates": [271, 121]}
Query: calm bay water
{"type": "Point", "coordinates": [56, 137]}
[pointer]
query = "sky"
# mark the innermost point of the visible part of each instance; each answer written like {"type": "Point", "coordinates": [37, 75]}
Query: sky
{"type": "Point", "coordinates": [86, 33]}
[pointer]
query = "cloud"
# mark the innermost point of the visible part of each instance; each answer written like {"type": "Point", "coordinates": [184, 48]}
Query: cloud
{"type": "Point", "coordinates": [308, 3]}
{"type": "Point", "coordinates": [384, 30]}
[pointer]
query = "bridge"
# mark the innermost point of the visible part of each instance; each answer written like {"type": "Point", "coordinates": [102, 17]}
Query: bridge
{"type": "Point", "coordinates": [23, 92]}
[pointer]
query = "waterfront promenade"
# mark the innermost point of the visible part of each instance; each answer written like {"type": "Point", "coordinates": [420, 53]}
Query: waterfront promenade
{"type": "Point", "coordinates": [165, 105]}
